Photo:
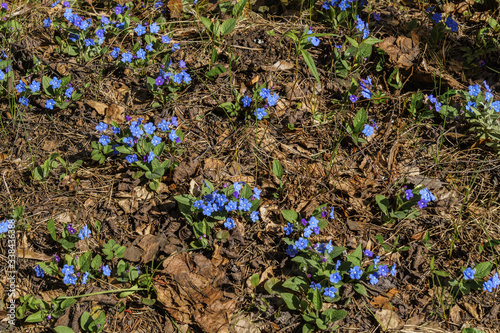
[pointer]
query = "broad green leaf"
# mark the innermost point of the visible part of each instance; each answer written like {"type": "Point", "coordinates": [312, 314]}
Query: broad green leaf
{"type": "Point", "coordinates": [52, 229]}
{"type": "Point", "coordinates": [292, 301]}
{"type": "Point", "coordinates": [371, 41]}
{"type": "Point", "coordinates": [63, 329]}
{"type": "Point", "coordinates": [383, 203]}
{"type": "Point", "coordinates": [332, 315]}
{"type": "Point", "coordinates": [352, 41]}
{"type": "Point", "coordinates": [483, 269]}
{"type": "Point", "coordinates": [35, 317]}
{"type": "Point", "coordinates": [295, 283]}
{"type": "Point", "coordinates": [359, 120]}
{"type": "Point", "coordinates": [238, 8]}
{"type": "Point", "coordinates": [290, 215]}
{"type": "Point", "coordinates": [310, 63]}
{"type": "Point", "coordinates": [317, 301]}
{"type": "Point", "coordinates": [228, 26]}
{"type": "Point", "coordinates": [67, 303]}
{"type": "Point", "coordinates": [254, 280]}
{"type": "Point", "coordinates": [360, 289]}
{"type": "Point", "coordinates": [277, 169]}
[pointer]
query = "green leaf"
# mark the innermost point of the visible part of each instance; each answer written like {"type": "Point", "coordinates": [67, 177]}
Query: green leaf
{"type": "Point", "coordinates": [63, 329]}
{"type": "Point", "coordinates": [269, 284]}
{"type": "Point", "coordinates": [317, 300]}
{"type": "Point", "coordinates": [442, 273]}
{"type": "Point", "coordinates": [336, 251]}
{"type": "Point", "coordinates": [85, 320]}
{"type": "Point", "coordinates": [360, 289]}
{"type": "Point", "coordinates": [254, 280]}
{"type": "Point", "coordinates": [219, 69]}
{"type": "Point", "coordinates": [292, 34]}
{"type": "Point", "coordinates": [471, 330]}
{"type": "Point", "coordinates": [228, 26]}
{"type": "Point", "coordinates": [277, 169]}
{"type": "Point", "coordinates": [310, 63]}
{"type": "Point", "coordinates": [292, 301]}
{"type": "Point", "coordinates": [371, 41]}
{"type": "Point", "coordinates": [52, 229]}
{"type": "Point", "coordinates": [290, 215]}
{"type": "Point", "coordinates": [308, 328]}
{"type": "Point", "coordinates": [238, 8]}
{"type": "Point", "coordinates": [352, 41]}
{"type": "Point", "coordinates": [295, 283]}
{"type": "Point", "coordinates": [67, 303]}
{"type": "Point", "coordinates": [483, 269]}
{"type": "Point", "coordinates": [207, 23]}
{"type": "Point", "coordinates": [356, 256]}
{"type": "Point", "coordinates": [359, 120]}
{"type": "Point", "coordinates": [35, 317]}
{"type": "Point", "coordinates": [96, 262]}
{"type": "Point", "coordinates": [383, 204]}
{"type": "Point", "coordinates": [84, 261]}
{"type": "Point", "coordinates": [332, 315]}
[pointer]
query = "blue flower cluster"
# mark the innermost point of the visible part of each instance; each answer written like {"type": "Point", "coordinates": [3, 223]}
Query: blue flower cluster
{"type": "Point", "coordinates": [343, 4]}
{"type": "Point", "coordinates": [219, 202]}
{"type": "Point", "coordinates": [313, 40]}
{"type": "Point", "coordinates": [366, 84]}
{"type": "Point", "coordinates": [426, 196]}
{"type": "Point", "coordinates": [167, 74]}
{"type": "Point", "coordinates": [362, 26]}
{"type": "Point", "coordinates": [138, 131]}
{"type": "Point", "coordinates": [264, 95]}
{"type": "Point", "coordinates": [477, 99]}
{"type": "Point", "coordinates": [438, 17]}
{"type": "Point", "coordinates": [437, 104]}
{"type": "Point", "coordinates": [492, 283]}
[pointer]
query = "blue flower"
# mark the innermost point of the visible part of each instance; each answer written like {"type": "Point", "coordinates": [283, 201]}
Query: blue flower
{"type": "Point", "coordinates": [175, 47]}
{"type": "Point", "coordinates": [383, 270]}
{"type": "Point", "coordinates": [353, 98]}
{"type": "Point", "coordinates": [330, 292]}
{"type": "Point", "coordinates": [360, 24]}
{"type": "Point", "coordinates": [288, 229]}
{"type": "Point", "coordinates": [126, 57]}
{"type": "Point", "coordinates": [166, 39]}
{"type": "Point", "coordinates": [164, 125]}
{"type": "Point", "coordinates": [376, 261]}
{"type": "Point", "coordinates": [177, 78]}
{"type": "Point", "coordinates": [68, 269]}
{"type": "Point", "coordinates": [131, 158]}
{"type": "Point", "coordinates": [469, 273]}
{"type": "Point", "coordinates": [408, 194]}
{"type": "Point", "coordinates": [141, 54]}
{"type": "Point", "coordinates": [260, 113]}
{"type": "Point", "coordinates": [470, 105]}
{"type": "Point", "coordinates": [106, 270]}
{"type": "Point", "coordinates": [427, 195]}
{"type": "Point", "coordinates": [21, 87]}
{"type": "Point", "coordinates": [150, 157]}
{"type": "Point", "coordinates": [474, 90]}
{"type": "Point", "coordinates": [116, 130]}
{"type": "Point", "coordinates": [244, 205]}
{"type": "Point", "coordinates": [155, 141]}
{"type": "Point", "coordinates": [85, 276]}
{"type": "Point", "coordinates": [173, 136]}
{"type": "Point", "coordinates": [344, 5]}
{"type": "Point", "coordinates": [450, 23]}
{"type": "Point", "coordinates": [488, 286]}
{"type": "Point", "coordinates": [355, 273]}
{"type": "Point", "coordinates": [422, 203]}
{"type": "Point", "coordinates": [207, 210]}
{"type": "Point", "coordinates": [301, 243]}
{"type": "Point", "coordinates": [292, 250]}
{"type": "Point", "coordinates": [39, 271]}
{"type": "Point", "coordinates": [50, 104]}
{"type": "Point", "coordinates": [437, 17]}
{"type": "Point", "coordinates": [136, 131]}
{"type": "Point", "coordinates": [230, 224]}
{"type": "Point", "coordinates": [272, 99]}
{"type": "Point", "coordinates": [373, 279]}
{"type": "Point", "coordinates": [104, 140]}
{"type": "Point", "coordinates": [154, 28]}
{"type": "Point", "coordinates": [149, 128]}
{"type": "Point", "coordinates": [149, 47]}
{"type": "Point", "coordinates": [332, 215]}
{"type": "Point", "coordinates": [495, 280]}
{"type": "Point", "coordinates": [231, 206]}
{"type": "Point", "coordinates": [115, 53]}
{"type": "Point", "coordinates": [368, 253]}
{"type": "Point", "coordinates": [23, 101]}
{"type": "Point", "coordinates": [496, 106]}
{"type": "Point", "coordinates": [335, 278]}
{"type": "Point", "coordinates": [254, 216]}
{"type": "Point", "coordinates": [101, 127]}
{"type": "Point", "coordinates": [315, 286]}
{"type": "Point", "coordinates": [2, 75]}
{"type": "Point", "coordinates": [69, 279]}
{"type": "Point", "coordinates": [256, 193]}
{"type": "Point", "coordinates": [89, 42]}
{"type": "Point", "coordinates": [393, 269]}
{"type": "Point", "coordinates": [140, 30]}
{"type": "Point", "coordinates": [47, 22]}
{"type": "Point", "coordinates": [367, 130]}
{"type": "Point", "coordinates": [68, 92]}
{"type": "Point", "coordinates": [246, 101]}
{"type": "Point", "coordinates": [198, 204]}
{"type": "Point", "coordinates": [105, 20]}
{"type": "Point", "coordinates": [237, 186]}
{"type": "Point", "coordinates": [84, 232]}
{"type": "Point", "coordinates": [73, 37]}
{"type": "Point", "coordinates": [376, 16]}
{"type": "Point", "coordinates": [264, 93]}
{"type": "Point", "coordinates": [174, 121]}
